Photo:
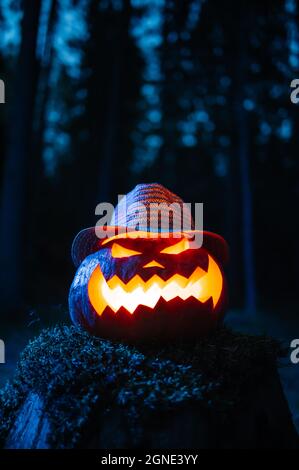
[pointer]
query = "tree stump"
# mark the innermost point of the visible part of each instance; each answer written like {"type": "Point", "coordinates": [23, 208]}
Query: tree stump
{"type": "Point", "coordinates": [72, 390]}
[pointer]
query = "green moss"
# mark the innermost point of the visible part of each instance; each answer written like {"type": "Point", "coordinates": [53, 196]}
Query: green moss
{"type": "Point", "coordinates": [76, 373]}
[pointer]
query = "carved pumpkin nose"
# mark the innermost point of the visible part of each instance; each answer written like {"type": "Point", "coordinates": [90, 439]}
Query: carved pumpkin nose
{"type": "Point", "coordinates": [153, 264]}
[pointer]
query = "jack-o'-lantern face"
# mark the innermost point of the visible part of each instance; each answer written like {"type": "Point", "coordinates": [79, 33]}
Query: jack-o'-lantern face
{"type": "Point", "coordinates": [132, 274]}
{"type": "Point", "coordinates": [146, 288]}
{"type": "Point", "coordinates": [148, 280]}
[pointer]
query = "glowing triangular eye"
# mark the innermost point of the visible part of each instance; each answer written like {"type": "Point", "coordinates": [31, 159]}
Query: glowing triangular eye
{"type": "Point", "coordinates": [179, 247]}
{"type": "Point", "coordinates": [119, 251]}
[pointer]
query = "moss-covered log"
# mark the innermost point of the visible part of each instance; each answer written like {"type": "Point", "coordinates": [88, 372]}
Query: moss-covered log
{"type": "Point", "coordinates": [74, 390]}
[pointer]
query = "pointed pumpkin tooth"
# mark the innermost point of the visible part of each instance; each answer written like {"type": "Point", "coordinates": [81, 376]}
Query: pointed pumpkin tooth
{"type": "Point", "coordinates": [152, 296]}
{"type": "Point", "coordinates": [114, 297]}
{"type": "Point", "coordinates": [154, 280]}
{"type": "Point", "coordinates": [132, 300]}
{"type": "Point", "coordinates": [196, 275]}
{"type": "Point", "coordinates": [114, 282]}
{"type": "Point", "coordinates": [134, 283]}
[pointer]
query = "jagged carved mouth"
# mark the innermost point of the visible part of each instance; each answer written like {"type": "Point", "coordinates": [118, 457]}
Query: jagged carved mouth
{"type": "Point", "coordinates": [115, 294]}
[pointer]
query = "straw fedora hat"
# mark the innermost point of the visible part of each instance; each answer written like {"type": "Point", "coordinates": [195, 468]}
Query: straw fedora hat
{"type": "Point", "coordinates": [128, 219]}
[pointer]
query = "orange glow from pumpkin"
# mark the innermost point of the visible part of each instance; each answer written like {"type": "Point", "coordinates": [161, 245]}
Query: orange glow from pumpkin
{"type": "Point", "coordinates": [119, 251]}
{"type": "Point", "coordinates": [178, 248]}
{"type": "Point", "coordinates": [153, 264]}
{"type": "Point", "coordinates": [116, 294]}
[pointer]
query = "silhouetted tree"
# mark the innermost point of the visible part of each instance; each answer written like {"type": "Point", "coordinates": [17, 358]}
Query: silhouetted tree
{"type": "Point", "coordinates": [19, 166]}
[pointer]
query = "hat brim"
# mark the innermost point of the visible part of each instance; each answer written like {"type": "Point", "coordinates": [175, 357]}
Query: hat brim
{"type": "Point", "coordinates": [87, 242]}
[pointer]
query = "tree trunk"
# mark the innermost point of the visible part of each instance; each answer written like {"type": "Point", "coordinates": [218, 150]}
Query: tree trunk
{"type": "Point", "coordinates": [19, 168]}
{"type": "Point", "coordinates": [106, 56]}
{"type": "Point", "coordinates": [243, 181]}
{"type": "Point", "coordinates": [247, 217]}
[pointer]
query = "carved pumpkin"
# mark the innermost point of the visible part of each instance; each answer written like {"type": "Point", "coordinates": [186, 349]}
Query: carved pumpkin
{"type": "Point", "coordinates": [136, 286]}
